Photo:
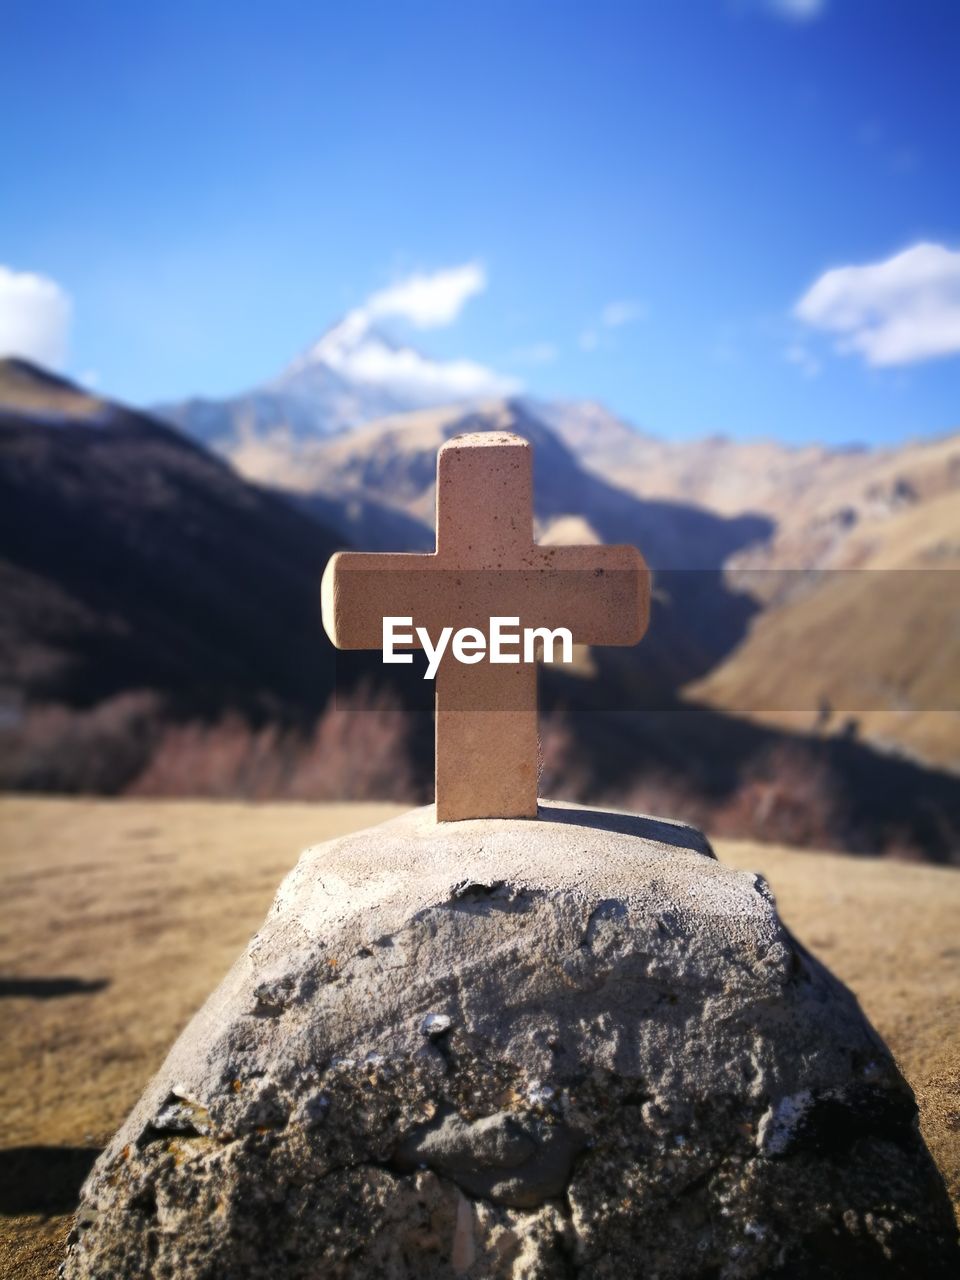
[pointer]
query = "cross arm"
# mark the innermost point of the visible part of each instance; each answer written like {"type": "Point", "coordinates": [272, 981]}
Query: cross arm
{"type": "Point", "coordinates": [600, 593]}
{"type": "Point", "coordinates": [360, 588]}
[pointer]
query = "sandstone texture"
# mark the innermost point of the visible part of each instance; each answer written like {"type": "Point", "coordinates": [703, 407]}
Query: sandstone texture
{"type": "Point", "coordinates": [487, 565]}
{"type": "Point", "coordinates": [571, 1047]}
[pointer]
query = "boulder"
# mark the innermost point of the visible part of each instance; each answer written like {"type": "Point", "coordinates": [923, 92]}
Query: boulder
{"type": "Point", "coordinates": [574, 1046]}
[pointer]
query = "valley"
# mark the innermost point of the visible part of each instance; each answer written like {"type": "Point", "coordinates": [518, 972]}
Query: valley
{"type": "Point", "coordinates": [163, 634]}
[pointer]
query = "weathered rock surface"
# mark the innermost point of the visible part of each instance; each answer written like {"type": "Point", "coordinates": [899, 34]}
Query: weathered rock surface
{"type": "Point", "coordinates": [572, 1047]}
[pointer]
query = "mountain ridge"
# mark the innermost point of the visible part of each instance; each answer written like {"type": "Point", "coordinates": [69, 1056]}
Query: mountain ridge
{"type": "Point", "coordinates": [161, 633]}
{"type": "Point", "coordinates": [354, 373]}
{"type": "Point", "coordinates": [828, 510]}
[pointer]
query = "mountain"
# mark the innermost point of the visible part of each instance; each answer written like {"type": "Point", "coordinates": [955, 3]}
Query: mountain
{"type": "Point", "coordinates": [140, 558]}
{"type": "Point", "coordinates": [628, 726]}
{"type": "Point", "coordinates": [590, 430]}
{"type": "Point", "coordinates": [389, 466]}
{"type": "Point", "coordinates": [858, 625]}
{"type": "Point", "coordinates": [134, 564]}
{"type": "Point", "coordinates": [392, 462]}
{"type": "Point", "coordinates": [795, 485]}
{"type": "Point", "coordinates": [353, 374]}
{"type": "Point", "coordinates": [160, 633]}
{"type": "Point", "coordinates": [782, 522]}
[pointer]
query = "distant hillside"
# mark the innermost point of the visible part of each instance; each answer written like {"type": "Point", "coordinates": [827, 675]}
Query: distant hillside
{"type": "Point", "coordinates": [793, 484]}
{"type": "Point", "coordinates": [870, 643]}
{"type": "Point", "coordinates": [393, 460]}
{"type": "Point", "coordinates": [333, 386]}
{"type": "Point", "coordinates": [790, 518]}
{"type": "Point", "coordinates": [702, 614]}
{"type": "Point", "coordinates": [389, 467]}
{"type": "Point", "coordinates": [860, 620]}
{"type": "Point", "coordinates": [136, 558]}
{"type": "Point", "coordinates": [142, 583]}
{"type": "Point", "coordinates": [160, 634]}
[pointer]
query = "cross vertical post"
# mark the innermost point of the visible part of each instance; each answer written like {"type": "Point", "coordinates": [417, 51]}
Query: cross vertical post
{"type": "Point", "coordinates": [487, 713]}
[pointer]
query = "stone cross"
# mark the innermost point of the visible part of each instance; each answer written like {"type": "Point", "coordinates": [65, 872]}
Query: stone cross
{"type": "Point", "coordinates": [487, 564]}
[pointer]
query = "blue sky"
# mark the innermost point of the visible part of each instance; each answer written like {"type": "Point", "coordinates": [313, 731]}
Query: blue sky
{"type": "Point", "coordinates": [645, 191]}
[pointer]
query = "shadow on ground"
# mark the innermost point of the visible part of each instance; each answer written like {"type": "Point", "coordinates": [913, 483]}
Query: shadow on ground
{"type": "Point", "coordinates": [50, 988]}
{"type": "Point", "coordinates": [44, 1180]}
{"type": "Point", "coordinates": [660, 830]}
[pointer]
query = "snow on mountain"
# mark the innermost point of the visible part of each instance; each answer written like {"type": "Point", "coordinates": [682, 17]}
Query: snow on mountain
{"type": "Point", "coordinates": [353, 374]}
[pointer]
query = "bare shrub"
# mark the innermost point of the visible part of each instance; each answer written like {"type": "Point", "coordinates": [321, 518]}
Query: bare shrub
{"type": "Point", "coordinates": [668, 795]}
{"type": "Point", "coordinates": [788, 795]}
{"type": "Point", "coordinates": [560, 774]}
{"type": "Point", "coordinates": [57, 748]}
{"type": "Point", "coordinates": [226, 759]}
{"type": "Point", "coordinates": [357, 750]}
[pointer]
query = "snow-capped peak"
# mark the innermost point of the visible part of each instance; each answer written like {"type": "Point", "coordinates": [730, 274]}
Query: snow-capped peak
{"type": "Point", "coordinates": [335, 345]}
{"type": "Point", "coordinates": [361, 355]}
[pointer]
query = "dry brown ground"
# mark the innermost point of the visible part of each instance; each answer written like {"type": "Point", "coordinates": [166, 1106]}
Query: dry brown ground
{"type": "Point", "coordinates": [147, 903]}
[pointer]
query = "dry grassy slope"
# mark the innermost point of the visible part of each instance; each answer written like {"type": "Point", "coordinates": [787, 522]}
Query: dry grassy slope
{"type": "Point", "coordinates": [22, 392]}
{"type": "Point", "coordinates": [154, 900]}
{"type": "Point", "coordinates": [340, 464]}
{"type": "Point", "coordinates": [133, 561]}
{"type": "Point", "coordinates": [877, 637]}
{"type": "Point", "coordinates": [895, 509]}
{"type": "Point", "coordinates": [793, 484]}
{"type": "Point", "coordinates": [393, 461]}
{"type": "Point", "coordinates": [881, 647]}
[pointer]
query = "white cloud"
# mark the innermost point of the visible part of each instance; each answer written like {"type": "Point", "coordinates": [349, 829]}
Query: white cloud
{"type": "Point", "coordinates": [797, 10]}
{"type": "Point", "coordinates": [895, 312]}
{"type": "Point", "coordinates": [429, 301]}
{"type": "Point", "coordinates": [414, 377]}
{"type": "Point", "coordinates": [361, 354]}
{"type": "Point", "coordinates": [536, 353]}
{"type": "Point", "coordinates": [34, 317]}
{"type": "Point", "coordinates": [615, 314]}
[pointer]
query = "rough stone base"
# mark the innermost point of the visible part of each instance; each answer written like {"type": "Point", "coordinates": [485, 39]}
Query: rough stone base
{"type": "Point", "coordinates": [577, 1046]}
